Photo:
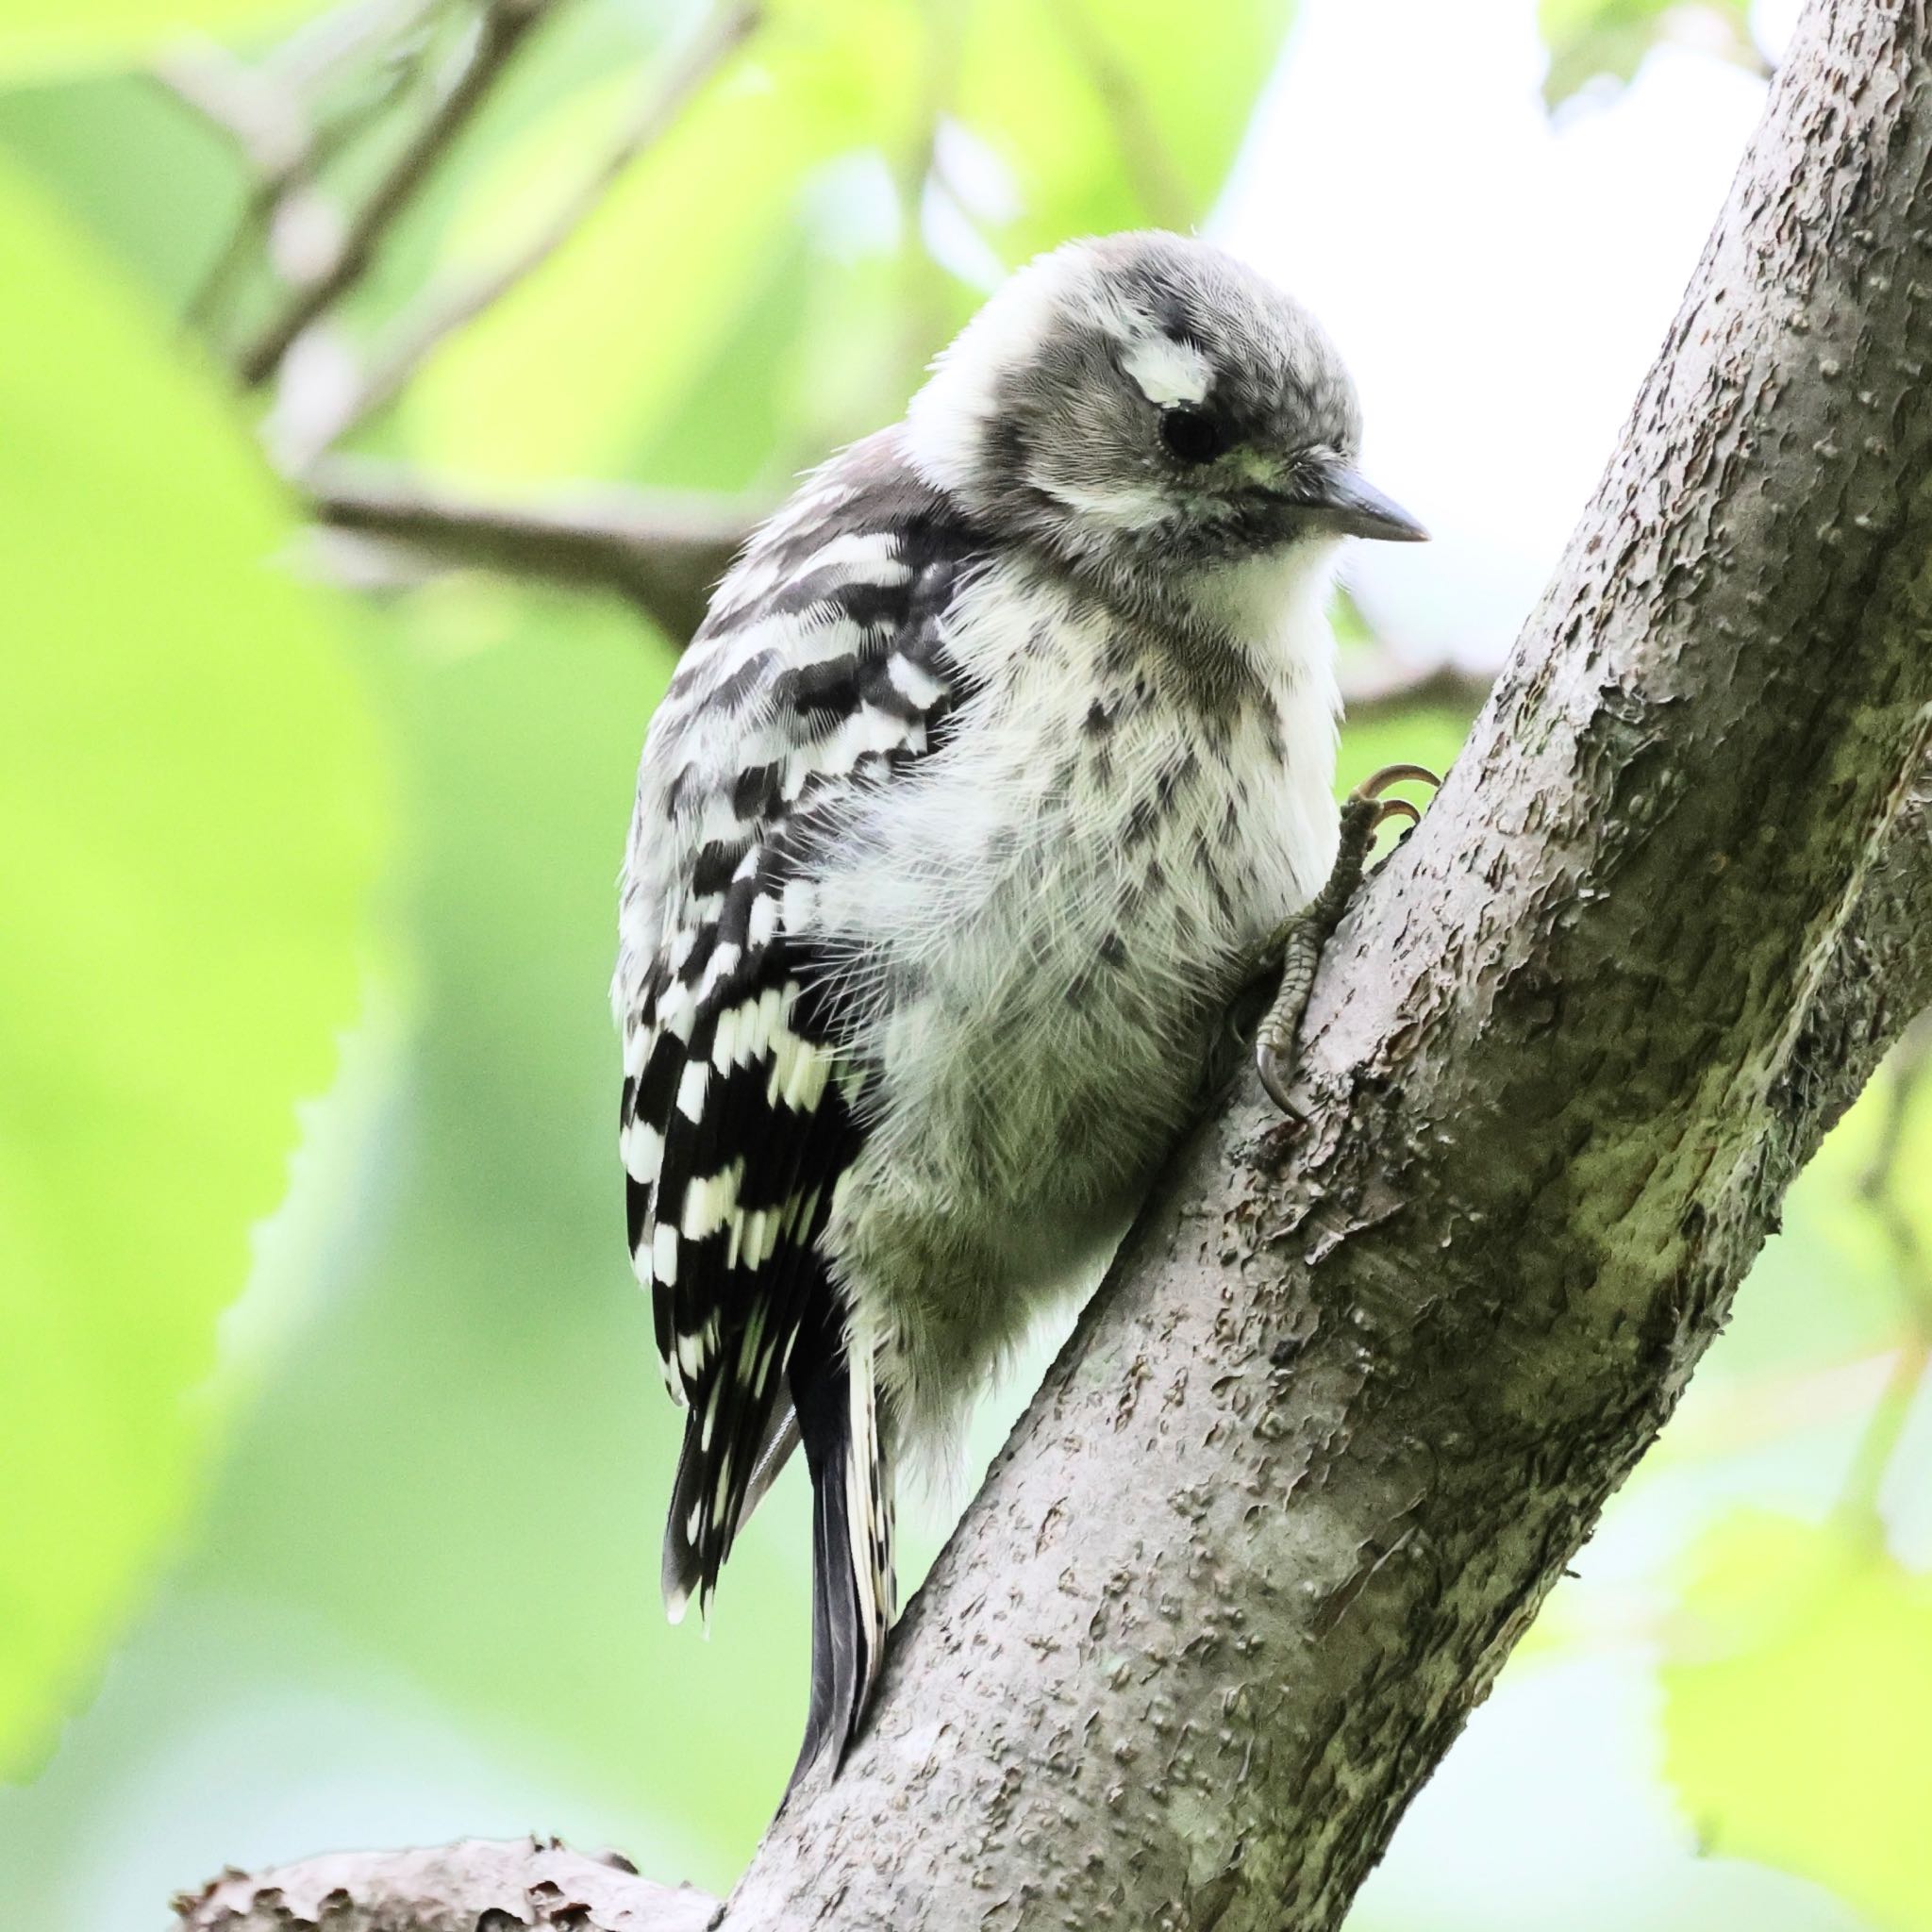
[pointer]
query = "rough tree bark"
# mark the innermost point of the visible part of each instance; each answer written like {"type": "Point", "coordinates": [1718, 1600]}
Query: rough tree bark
{"type": "Point", "coordinates": [1351, 1400]}
{"type": "Point", "coordinates": [472, 1886]}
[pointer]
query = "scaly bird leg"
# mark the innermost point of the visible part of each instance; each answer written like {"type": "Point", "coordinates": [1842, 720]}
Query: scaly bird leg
{"type": "Point", "coordinates": [1299, 943]}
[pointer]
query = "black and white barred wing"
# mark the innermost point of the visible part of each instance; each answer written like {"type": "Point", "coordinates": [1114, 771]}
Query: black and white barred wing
{"type": "Point", "coordinates": [819, 673]}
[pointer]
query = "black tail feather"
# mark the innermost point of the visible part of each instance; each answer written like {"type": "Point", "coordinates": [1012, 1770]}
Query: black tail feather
{"type": "Point", "coordinates": [851, 1594]}
{"type": "Point", "coordinates": [838, 1644]}
{"type": "Point", "coordinates": [684, 1573]}
{"type": "Point", "coordinates": [681, 1575]}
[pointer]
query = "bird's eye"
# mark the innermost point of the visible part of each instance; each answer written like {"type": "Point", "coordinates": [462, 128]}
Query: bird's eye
{"type": "Point", "coordinates": [1193, 435]}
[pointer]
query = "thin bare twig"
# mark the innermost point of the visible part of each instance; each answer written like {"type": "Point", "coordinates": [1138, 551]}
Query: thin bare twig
{"type": "Point", "coordinates": [664, 553]}
{"type": "Point", "coordinates": [444, 312]}
{"type": "Point", "coordinates": [268, 123]}
{"type": "Point", "coordinates": [1378, 683]}
{"type": "Point", "coordinates": [270, 130]}
{"type": "Point", "coordinates": [276, 135]}
{"type": "Point", "coordinates": [502, 29]}
{"type": "Point", "coordinates": [266, 113]}
{"type": "Point", "coordinates": [321, 48]}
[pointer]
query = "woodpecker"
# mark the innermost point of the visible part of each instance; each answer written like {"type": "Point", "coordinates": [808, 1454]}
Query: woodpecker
{"type": "Point", "coordinates": [1005, 756]}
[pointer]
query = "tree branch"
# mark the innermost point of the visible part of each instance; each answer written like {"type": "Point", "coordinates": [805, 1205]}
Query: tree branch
{"type": "Point", "coordinates": [446, 311]}
{"type": "Point", "coordinates": [1380, 684]}
{"type": "Point", "coordinates": [471, 1887]}
{"type": "Point", "coordinates": [664, 553]}
{"type": "Point", "coordinates": [270, 131]}
{"type": "Point", "coordinates": [268, 126]}
{"type": "Point", "coordinates": [1350, 1398]}
{"type": "Point", "coordinates": [1350, 1402]}
{"type": "Point", "coordinates": [504, 25]}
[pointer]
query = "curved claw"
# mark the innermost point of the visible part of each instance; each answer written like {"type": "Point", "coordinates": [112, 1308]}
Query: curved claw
{"type": "Point", "coordinates": [1276, 1052]}
{"type": "Point", "coordinates": [1274, 1079]}
{"type": "Point", "coordinates": [1376, 783]}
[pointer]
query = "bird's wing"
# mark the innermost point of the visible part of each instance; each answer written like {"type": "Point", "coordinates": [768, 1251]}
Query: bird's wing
{"type": "Point", "coordinates": [820, 673]}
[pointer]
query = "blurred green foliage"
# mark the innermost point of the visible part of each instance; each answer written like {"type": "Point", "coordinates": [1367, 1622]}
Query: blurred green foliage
{"type": "Point", "coordinates": [191, 796]}
{"type": "Point", "coordinates": [373, 1556]}
{"type": "Point", "coordinates": [1608, 40]}
{"type": "Point", "coordinates": [40, 38]}
{"type": "Point", "coordinates": [1799, 1688]}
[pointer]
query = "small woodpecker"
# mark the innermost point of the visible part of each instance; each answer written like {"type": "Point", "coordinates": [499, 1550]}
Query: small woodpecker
{"type": "Point", "coordinates": [1003, 760]}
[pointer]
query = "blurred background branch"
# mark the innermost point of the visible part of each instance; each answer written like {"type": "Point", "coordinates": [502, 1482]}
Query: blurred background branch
{"type": "Point", "coordinates": [416, 334]}
{"type": "Point", "coordinates": [382, 524]}
{"type": "Point", "coordinates": [662, 552]}
{"type": "Point", "coordinates": [490, 46]}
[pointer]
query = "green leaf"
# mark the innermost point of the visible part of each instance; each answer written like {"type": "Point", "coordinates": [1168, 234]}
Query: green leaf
{"type": "Point", "coordinates": [1593, 39]}
{"type": "Point", "coordinates": [1798, 1706]}
{"type": "Point", "coordinates": [39, 37]}
{"type": "Point", "coordinates": [156, 189]}
{"type": "Point", "coordinates": [1112, 113]}
{"type": "Point", "coordinates": [188, 781]}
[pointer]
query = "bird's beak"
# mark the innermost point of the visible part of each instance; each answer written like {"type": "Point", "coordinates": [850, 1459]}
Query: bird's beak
{"type": "Point", "coordinates": [1351, 507]}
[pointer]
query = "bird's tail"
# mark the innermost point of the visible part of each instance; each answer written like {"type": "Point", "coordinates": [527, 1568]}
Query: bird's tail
{"type": "Point", "coordinates": [853, 1584]}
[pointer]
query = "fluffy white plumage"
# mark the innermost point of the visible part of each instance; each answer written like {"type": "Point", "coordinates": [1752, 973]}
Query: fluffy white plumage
{"type": "Point", "coordinates": [1034, 956]}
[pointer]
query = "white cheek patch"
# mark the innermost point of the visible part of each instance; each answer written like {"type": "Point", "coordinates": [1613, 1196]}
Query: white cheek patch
{"type": "Point", "coordinates": [1129, 507]}
{"type": "Point", "coordinates": [1167, 370]}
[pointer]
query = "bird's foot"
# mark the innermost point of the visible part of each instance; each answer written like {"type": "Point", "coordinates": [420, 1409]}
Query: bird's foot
{"type": "Point", "coordinates": [1299, 943]}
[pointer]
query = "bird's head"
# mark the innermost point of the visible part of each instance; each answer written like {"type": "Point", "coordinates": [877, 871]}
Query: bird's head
{"type": "Point", "coordinates": [1146, 402]}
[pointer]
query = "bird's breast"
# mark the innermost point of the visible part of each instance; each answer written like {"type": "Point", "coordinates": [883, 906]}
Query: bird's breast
{"type": "Point", "coordinates": [1044, 922]}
